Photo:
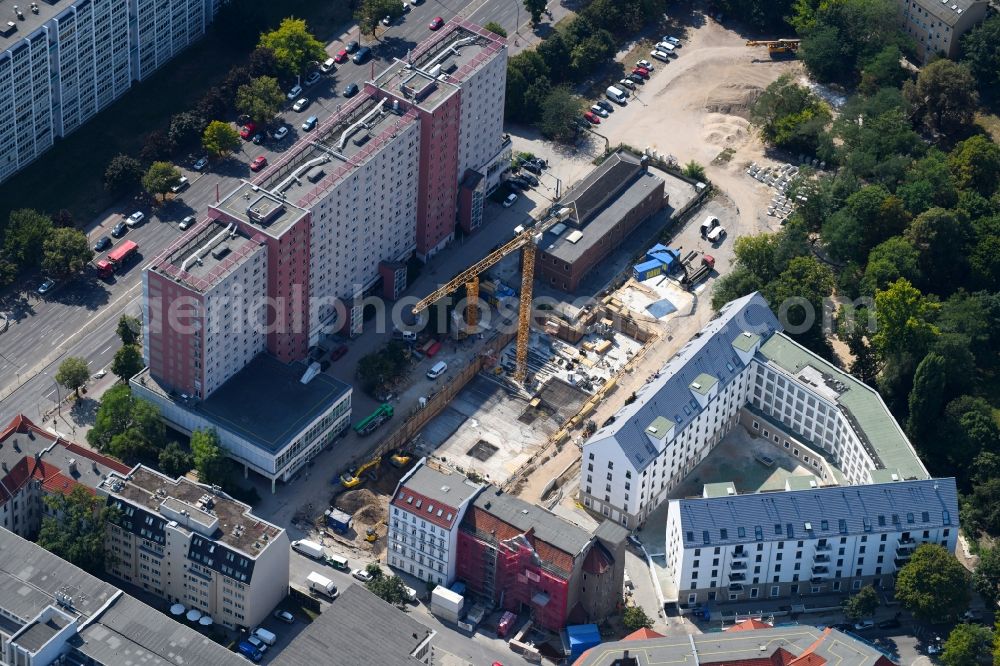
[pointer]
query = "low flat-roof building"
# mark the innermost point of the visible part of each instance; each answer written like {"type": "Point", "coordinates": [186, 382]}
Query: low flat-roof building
{"type": "Point", "coordinates": [360, 628]}
{"type": "Point", "coordinates": [604, 208]}
{"type": "Point", "coordinates": [192, 544]}
{"type": "Point", "coordinates": [35, 462]}
{"type": "Point", "coordinates": [266, 417]}
{"type": "Point", "coordinates": [50, 608]}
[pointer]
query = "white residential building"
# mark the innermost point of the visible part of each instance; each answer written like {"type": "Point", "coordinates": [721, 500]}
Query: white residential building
{"type": "Point", "coordinates": [63, 61]}
{"type": "Point", "coordinates": [424, 520]}
{"type": "Point", "coordinates": [800, 542]}
{"type": "Point", "coordinates": [191, 545]}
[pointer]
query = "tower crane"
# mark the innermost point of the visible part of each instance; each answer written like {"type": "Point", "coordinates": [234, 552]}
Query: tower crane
{"type": "Point", "coordinates": [526, 241]}
{"type": "Point", "coordinates": [777, 47]}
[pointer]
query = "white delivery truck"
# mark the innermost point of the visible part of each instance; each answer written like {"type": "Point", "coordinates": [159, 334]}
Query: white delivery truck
{"type": "Point", "coordinates": [616, 94]}
{"type": "Point", "coordinates": [308, 548]}
{"type": "Point", "coordinates": [265, 635]}
{"type": "Point", "coordinates": [321, 584]}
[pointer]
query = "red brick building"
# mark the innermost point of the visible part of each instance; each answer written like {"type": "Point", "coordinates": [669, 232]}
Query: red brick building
{"type": "Point", "coordinates": [527, 559]}
{"type": "Point", "coordinates": [35, 462]}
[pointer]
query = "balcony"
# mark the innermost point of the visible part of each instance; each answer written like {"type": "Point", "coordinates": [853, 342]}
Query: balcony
{"type": "Point", "coordinates": [823, 547]}
{"type": "Point", "coordinates": [819, 570]}
{"type": "Point", "coordinates": [738, 566]}
{"type": "Point", "coordinates": [737, 577]}
{"type": "Point", "coordinates": [819, 558]}
{"type": "Point", "coordinates": [740, 554]}
{"type": "Point", "coordinates": [735, 587]}
{"type": "Point", "coordinates": [906, 547]}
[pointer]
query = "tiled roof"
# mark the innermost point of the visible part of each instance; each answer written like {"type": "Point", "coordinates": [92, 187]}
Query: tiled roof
{"type": "Point", "coordinates": [819, 512]}
{"type": "Point", "coordinates": [669, 395]}
{"type": "Point", "coordinates": [445, 491]}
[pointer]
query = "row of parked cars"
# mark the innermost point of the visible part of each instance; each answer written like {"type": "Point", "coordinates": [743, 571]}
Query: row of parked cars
{"type": "Point", "coordinates": [526, 177]}
{"type": "Point", "coordinates": [619, 93]}
{"type": "Point", "coordinates": [260, 639]}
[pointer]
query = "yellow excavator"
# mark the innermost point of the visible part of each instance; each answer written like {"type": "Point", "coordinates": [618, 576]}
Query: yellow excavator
{"type": "Point", "coordinates": [777, 48]}
{"type": "Point", "coordinates": [371, 535]}
{"type": "Point", "coordinates": [351, 479]}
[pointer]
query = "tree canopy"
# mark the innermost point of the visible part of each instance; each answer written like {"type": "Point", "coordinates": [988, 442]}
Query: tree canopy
{"type": "Point", "coordinates": [790, 116]}
{"type": "Point", "coordinates": [944, 97]}
{"type": "Point", "coordinates": [294, 47]}
{"type": "Point", "coordinates": [220, 138]}
{"type": "Point", "coordinates": [261, 99]}
{"type": "Point", "coordinates": [861, 604]}
{"type": "Point", "coordinates": [65, 251]}
{"type": "Point", "coordinates": [933, 585]}
{"type": "Point", "coordinates": [73, 373]}
{"type": "Point", "coordinates": [160, 177]}
{"type": "Point", "coordinates": [208, 457]}
{"type": "Point", "coordinates": [126, 427]}
{"type": "Point", "coordinates": [74, 527]}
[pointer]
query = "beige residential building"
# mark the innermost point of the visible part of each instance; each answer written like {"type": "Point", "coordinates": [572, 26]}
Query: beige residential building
{"type": "Point", "coordinates": [193, 545]}
{"type": "Point", "coordinates": [937, 26]}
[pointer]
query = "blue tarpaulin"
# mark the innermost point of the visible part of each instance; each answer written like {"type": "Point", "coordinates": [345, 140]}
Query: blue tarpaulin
{"type": "Point", "coordinates": [582, 637]}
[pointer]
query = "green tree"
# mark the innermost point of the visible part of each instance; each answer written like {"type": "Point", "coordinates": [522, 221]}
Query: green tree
{"type": "Point", "coordinates": [862, 604]}
{"type": "Point", "coordinates": [981, 52]}
{"type": "Point", "coordinates": [868, 217]}
{"type": "Point", "coordinates": [261, 99]}
{"type": "Point", "coordinates": [984, 259]}
{"type": "Point", "coordinates": [129, 329]}
{"type": "Point", "coordinates": [122, 174]}
{"type": "Point", "coordinates": [904, 320]}
{"type": "Point", "coordinates": [975, 165]}
{"type": "Point", "coordinates": [928, 184]}
{"type": "Point", "coordinates": [560, 110]}
{"type": "Point", "coordinates": [24, 240]}
{"type": "Point", "coordinates": [495, 28]}
{"type": "Point", "coordinates": [933, 585]}
{"type": "Point", "coordinates": [635, 618]}
{"type": "Point", "coordinates": [790, 116]}
{"type": "Point", "coordinates": [981, 510]}
{"type": "Point", "coordinates": [371, 12]}
{"type": "Point", "coordinates": [694, 170]}
{"type": "Point", "coordinates": [74, 526]}
{"type": "Point", "coordinates": [848, 33]}
{"type": "Point", "coordinates": [65, 251]}
{"type": "Point", "coordinates": [763, 15]}
{"type": "Point", "coordinates": [388, 588]}
{"type": "Point", "coordinates": [220, 138]}
{"type": "Point", "coordinates": [883, 71]}
{"type": "Point", "coordinates": [528, 82]}
{"type": "Point", "coordinates": [887, 262]}
{"type": "Point", "coordinates": [159, 178]}
{"type": "Point", "coordinates": [186, 127]}
{"type": "Point", "coordinates": [986, 577]}
{"type": "Point", "coordinates": [800, 290]}
{"type": "Point", "coordinates": [126, 426]}
{"type": "Point", "coordinates": [209, 458]}
{"type": "Point", "coordinates": [294, 47]}
{"type": "Point", "coordinates": [944, 96]}
{"type": "Point", "coordinates": [535, 8]}
{"type": "Point", "coordinates": [73, 373]}
{"type": "Point", "coordinates": [127, 362]}
{"type": "Point", "coordinates": [927, 397]}
{"type": "Point", "coordinates": [967, 645]}
{"type": "Point", "coordinates": [942, 239]}
{"type": "Point", "coordinates": [174, 461]}
{"type": "Point", "coordinates": [968, 432]}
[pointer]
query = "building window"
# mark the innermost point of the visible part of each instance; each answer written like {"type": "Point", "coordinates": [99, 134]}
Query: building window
{"type": "Point", "coordinates": [775, 590]}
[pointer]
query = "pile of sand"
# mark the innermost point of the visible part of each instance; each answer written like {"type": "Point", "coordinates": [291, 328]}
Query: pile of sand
{"type": "Point", "coordinates": [363, 504]}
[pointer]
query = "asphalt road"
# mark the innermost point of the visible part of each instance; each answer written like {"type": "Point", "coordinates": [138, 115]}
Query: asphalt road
{"type": "Point", "coordinates": [78, 318]}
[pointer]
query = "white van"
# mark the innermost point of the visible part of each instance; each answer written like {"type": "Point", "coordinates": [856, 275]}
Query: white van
{"type": "Point", "coordinates": [439, 369]}
{"type": "Point", "coordinates": [265, 635]}
{"type": "Point", "coordinates": [667, 48]}
{"type": "Point", "coordinates": [616, 94]}
{"type": "Point", "coordinates": [711, 222]}
{"type": "Point", "coordinates": [716, 234]}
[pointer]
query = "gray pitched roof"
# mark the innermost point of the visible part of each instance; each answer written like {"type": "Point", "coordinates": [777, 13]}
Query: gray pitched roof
{"type": "Point", "coordinates": [450, 489]}
{"type": "Point", "coordinates": [548, 527]}
{"type": "Point", "coordinates": [669, 395]}
{"type": "Point", "coordinates": [359, 628]}
{"type": "Point", "coordinates": [830, 512]}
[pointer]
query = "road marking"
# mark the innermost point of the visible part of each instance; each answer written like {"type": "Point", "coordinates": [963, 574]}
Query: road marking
{"type": "Point", "coordinates": [106, 350]}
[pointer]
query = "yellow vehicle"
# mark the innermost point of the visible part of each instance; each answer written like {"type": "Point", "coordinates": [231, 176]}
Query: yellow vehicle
{"type": "Point", "coordinates": [351, 479]}
{"type": "Point", "coordinates": [400, 459]}
{"type": "Point", "coordinates": [777, 48]}
{"type": "Point", "coordinates": [371, 535]}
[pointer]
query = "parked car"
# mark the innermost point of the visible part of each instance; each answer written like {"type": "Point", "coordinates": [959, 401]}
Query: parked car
{"type": "Point", "coordinates": [284, 616]}
{"type": "Point", "coordinates": [341, 56]}
{"type": "Point", "coordinates": [628, 83]}
{"type": "Point", "coordinates": [200, 163]}
{"type": "Point", "coordinates": [591, 117]}
{"type": "Point", "coordinates": [102, 244]}
{"type": "Point", "coordinates": [361, 575]}
{"type": "Point", "coordinates": [436, 23]}
{"type": "Point", "coordinates": [530, 178]}
{"type": "Point", "coordinates": [519, 183]}
{"type": "Point", "coordinates": [250, 652]}
{"type": "Point", "coordinates": [259, 163]}
{"type": "Point", "coordinates": [119, 230]}
{"type": "Point", "coordinates": [294, 92]}
{"type": "Point", "coordinates": [540, 161]}
{"type": "Point", "coordinates": [187, 222]}
{"type": "Point", "coordinates": [351, 90]}
{"type": "Point", "coordinates": [645, 64]}
{"type": "Point", "coordinates": [362, 56]}
{"type": "Point", "coordinates": [313, 79]}
{"type": "Point", "coordinates": [352, 46]}
{"type": "Point", "coordinates": [606, 105]}
{"type": "Point", "coordinates": [328, 65]}
{"type": "Point", "coordinates": [531, 166]}
{"type": "Point", "coordinates": [891, 623]}
{"type": "Point", "coordinates": [635, 78]}
{"type": "Point", "coordinates": [641, 71]}
{"type": "Point", "coordinates": [660, 55]}
{"type": "Point", "coordinates": [135, 219]}
{"type": "Point", "coordinates": [257, 643]}
{"type": "Point", "coordinates": [510, 200]}
{"type": "Point", "coordinates": [280, 133]}
{"type": "Point", "coordinates": [671, 40]}
{"type": "Point", "coordinates": [406, 7]}
{"type": "Point", "coordinates": [387, 21]}
{"type": "Point", "coordinates": [46, 286]}
{"type": "Point", "coordinates": [862, 625]}
{"type": "Point", "coordinates": [248, 131]}
{"type": "Point", "coordinates": [338, 352]}
{"type": "Point", "coordinates": [180, 185]}
{"type": "Point", "coordinates": [258, 138]}
{"type": "Point", "coordinates": [300, 104]}
{"type": "Point", "coordinates": [309, 123]}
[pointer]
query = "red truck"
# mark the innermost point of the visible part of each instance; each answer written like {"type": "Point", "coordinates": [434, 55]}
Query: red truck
{"type": "Point", "coordinates": [117, 258]}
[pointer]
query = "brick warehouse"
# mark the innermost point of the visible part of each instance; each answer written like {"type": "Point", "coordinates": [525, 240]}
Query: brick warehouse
{"type": "Point", "coordinates": [526, 559]}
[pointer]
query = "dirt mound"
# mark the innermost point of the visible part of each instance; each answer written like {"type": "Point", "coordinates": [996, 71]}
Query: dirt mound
{"type": "Point", "coordinates": [363, 504]}
{"type": "Point", "coordinates": [734, 99]}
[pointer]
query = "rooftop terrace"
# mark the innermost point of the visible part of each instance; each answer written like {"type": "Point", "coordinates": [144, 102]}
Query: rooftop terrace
{"type": "Point", "coordinates": [212, 515]}
{"type": "Point", "coordinates": [206, 254]}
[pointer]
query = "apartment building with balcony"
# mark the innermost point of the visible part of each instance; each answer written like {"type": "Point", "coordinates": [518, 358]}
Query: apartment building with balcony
{"type": "Point", "coordinates": [937, 26]}
{"type": "Point", "coordinates": [63, 61]}
{"type": "Point", "coordinates": [424, 517]}
{"type": "Point", "coordinates": [801, 542]}
{"type": "Point", "coordinates": [192, 544]}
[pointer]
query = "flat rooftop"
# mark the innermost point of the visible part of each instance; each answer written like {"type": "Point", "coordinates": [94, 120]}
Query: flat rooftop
{"type": "Point", "coordinates": [340, 144]}
{"type": "Point", "coordinates": [38, 634]}
{"type": "Point", "coordinates": [23, 27]}
{"type": "Point", "coordinates": [435, 69]}
{"type": "Point", "coordinates": [262, 210]}
{"type": "Point", "coordinates": [228, 521]}
{"type": "Point", "coordinates": [264, 403]}
{"type": "Point", "coordinates": [601, 206]}
{"type": "Point", "coordinates": [870, 417]}
{"type": "Point", "coordinates": [209, 252]}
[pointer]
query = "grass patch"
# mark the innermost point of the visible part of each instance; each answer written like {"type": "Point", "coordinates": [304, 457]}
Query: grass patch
{"type": "Point", "coordinates": [70, 174]}
{"type": "Point", "coordinates": [724, 156]}
{"type": "Point", "coordinates": [991, 123]}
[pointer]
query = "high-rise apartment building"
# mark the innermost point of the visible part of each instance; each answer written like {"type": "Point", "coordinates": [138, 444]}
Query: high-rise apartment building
{"type": "Point", "coordinates": [62, 61]}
